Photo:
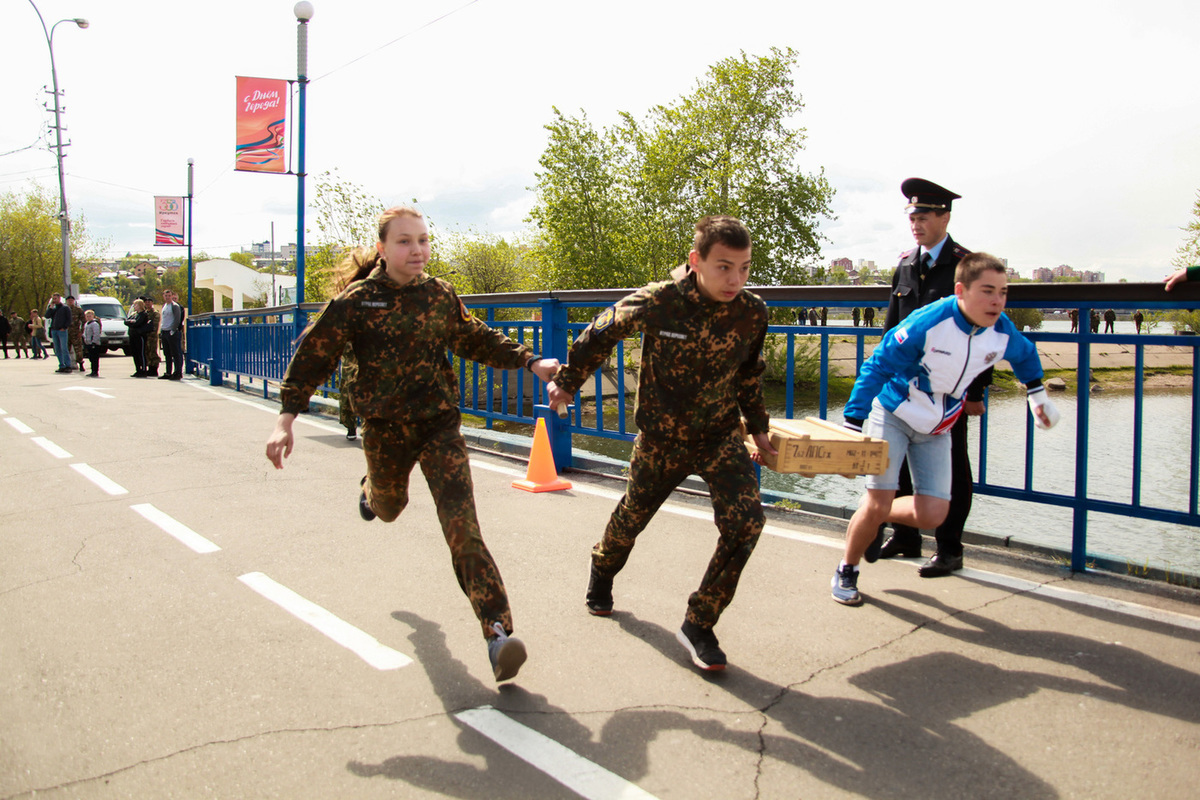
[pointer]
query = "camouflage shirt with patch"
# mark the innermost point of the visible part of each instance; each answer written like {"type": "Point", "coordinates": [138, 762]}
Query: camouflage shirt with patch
{"type": "Point", "coordinates": [701, 359]}
{"type": "Point", "coordinates": [400, 335]}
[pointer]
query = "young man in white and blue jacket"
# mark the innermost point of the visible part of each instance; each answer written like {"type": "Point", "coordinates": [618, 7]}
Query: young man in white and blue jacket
{"type": "Point", "coordinates": [911, 391]}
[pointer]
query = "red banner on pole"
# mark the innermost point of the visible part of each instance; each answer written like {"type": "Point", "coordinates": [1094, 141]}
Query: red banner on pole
{"type": "Point", "coordinates": [168, 221]}
{"type": "Point", "coordinates": [261, 113]}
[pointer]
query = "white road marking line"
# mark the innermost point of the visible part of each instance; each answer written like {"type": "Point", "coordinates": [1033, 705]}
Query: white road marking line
{"type": "Point", "coordinates": [300, 418]}
{"type": "Point", "coordinates": [1119, 606]}
{"type": "Point", "coordinates": [572, 770]}
{"type": "Point", "coordinates": [20, 427]}
{"type": "Point", "coordinates": [1083, 599]}
{"type": "Point", "coordinates": [101, 480]}
{"type": "Point", "coordinates": [983, 576]}
{"type": "Point", "coordinates": [50, 447]}
{"type": "Point", "coordinates": [175, 528]}
{"type": "Point", "coordinates": [88, 389]}
{"type": "Point", "coordinates": [3, 413]}
{"type": "Point", "coordinates": [360, 643]}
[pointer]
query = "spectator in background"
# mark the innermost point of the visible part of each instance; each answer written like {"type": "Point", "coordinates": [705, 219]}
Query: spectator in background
{"type": "Point", "coordinates": [855, 315]}
{"type": "Point", "coordinates": [19, 334]}
{"type": "Point", "coordinates": [170, 333]}
{"type": "Point", "coordinates": [869, 317]}
{"type": "Point", "coordinates": [36, 325]}
{"type": "Point", "coordinates": [137, 322]}
{"type": "Point", "coordinates": [91, 341]}
{"type": "Point", "coordinates": [1110, 317]}
{"type": "Point", "coordinates": [1138, 318]}
{"type": "Point", "coordinates": [812, 316]}
{"type": "Point", "coordinates": [75, 333]}
{"type": "Point", "coordinates": [153, 324]}
{"type": "Point", "coordinates": [5, 330]}
{"type": "Point", "coordinates": [60, 331]}
{"type": "Point", "coordinates": [1074, 315]}
{"type": "Point", "coordinates": [1095, 321]}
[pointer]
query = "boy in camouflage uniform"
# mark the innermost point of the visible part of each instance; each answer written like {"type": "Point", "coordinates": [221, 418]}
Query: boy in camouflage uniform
{"type": "Point", "coordinates": [401, 322]}
{"type": "Point", "coordinates": [701, 366]}
{"type": "Point", "coordinates": [154, 320]}
{"type": "Point", "coordinates": [75, 332]}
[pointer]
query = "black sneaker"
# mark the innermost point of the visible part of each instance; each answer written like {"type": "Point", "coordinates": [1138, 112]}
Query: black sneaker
{"type": "Point", "coordinates": [599, 599]}
{"type": "Point", "coordinates": [872, 554]}
{"type": "Point", "coordinates": [701, 644]}
{"type": "Point", "coordinates": [364, 509]}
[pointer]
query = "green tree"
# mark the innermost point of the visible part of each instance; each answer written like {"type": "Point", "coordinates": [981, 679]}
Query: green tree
{"type": "Point", "coordinates": [346, 217]}
{"type": "Point", "coordinates": [1188, 254]}
{"type": "Point", "coordinates": [31, 248]}
{"type": "Point", "coordinates": [617, 207]}
{"type": "Point", "coordinates": [579, 211]}
{"type": "Point", "coordinates": [482, 263]}
{"type": "Point", "coordinates": [1025, 318]}
{"type": "Point", "coordinates": [245, 259]}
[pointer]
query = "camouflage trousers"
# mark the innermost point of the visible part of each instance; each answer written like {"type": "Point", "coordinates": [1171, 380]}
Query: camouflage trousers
{"type": "Point", "coordinates": [657, 467]}
{"type": "Point", "coordinates": [75, 346]}
{"type": "Point", "coordinates": [392, 450]}
{"type": "Point", "coordinates": [346, 414]}
{"type": "Point", "coordinates": [152, 358]}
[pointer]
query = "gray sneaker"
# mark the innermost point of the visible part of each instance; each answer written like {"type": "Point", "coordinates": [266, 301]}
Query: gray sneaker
{"type": "Point", "coordinates": [844, 586]}
{"type": "Point", "coordinates": [507, 653]}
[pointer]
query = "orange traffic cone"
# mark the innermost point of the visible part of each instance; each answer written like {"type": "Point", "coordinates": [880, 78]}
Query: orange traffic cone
{"type": "Point", "coordinates": [542, 476]}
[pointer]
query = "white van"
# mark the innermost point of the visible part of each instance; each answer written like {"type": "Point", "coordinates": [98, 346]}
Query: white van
{"type": "Point", "coordinates": [113, 333]}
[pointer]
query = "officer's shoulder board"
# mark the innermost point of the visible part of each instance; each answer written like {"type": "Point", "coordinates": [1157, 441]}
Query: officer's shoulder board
{"type": "Point", "coordinates": [908, 253]}
{"type": "Point", "coordinates": [960, 251]}
{"type": "Point", "coordinates": [604, 318]}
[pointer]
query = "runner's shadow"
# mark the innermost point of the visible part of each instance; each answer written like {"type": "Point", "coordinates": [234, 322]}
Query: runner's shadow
{"type": "Point", "coordinates": [861, 747]}
{"type": "Point", "coordinates": [1124, 676]}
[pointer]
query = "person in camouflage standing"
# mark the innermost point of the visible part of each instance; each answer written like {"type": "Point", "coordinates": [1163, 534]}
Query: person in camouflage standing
{"type": "Point", "coordinates": [75, 332]}
{"type": "Point", "coordinates": [401, 322]}
{"type": "Point", "coordinates": [701, 372]}
{"type": "Point", "coordinates": [153, 322]}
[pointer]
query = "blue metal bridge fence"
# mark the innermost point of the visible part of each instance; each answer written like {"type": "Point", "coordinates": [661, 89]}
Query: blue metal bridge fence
{"type": "Point", "coordinates": [256, 345]}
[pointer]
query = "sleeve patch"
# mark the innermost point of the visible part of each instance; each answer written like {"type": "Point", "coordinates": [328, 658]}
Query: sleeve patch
{"type": "Point", "coordinates": [604, 319]}
{"type": "Point", "coordinates": [462, 309]}
{"type": "Point", "coordinates": [901, 335]}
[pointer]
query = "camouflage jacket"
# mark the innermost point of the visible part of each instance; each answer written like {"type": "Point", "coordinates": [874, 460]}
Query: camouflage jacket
{"type": "Point", "coordinates": [400, 336]}
{"type": "Point", "coordinates": [701, 359]}
{"type": "Point", "coordinates": [154, 322]}
{"type": "Point", "coordinates": [76, 328]}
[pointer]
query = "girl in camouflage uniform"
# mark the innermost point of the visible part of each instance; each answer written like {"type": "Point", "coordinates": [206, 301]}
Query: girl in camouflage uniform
{"type": "Point", "coordinates": [400, 323]}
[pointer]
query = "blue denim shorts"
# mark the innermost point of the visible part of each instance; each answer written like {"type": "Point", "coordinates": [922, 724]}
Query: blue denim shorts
{"type": "Point", "coordinates": [928, 455]}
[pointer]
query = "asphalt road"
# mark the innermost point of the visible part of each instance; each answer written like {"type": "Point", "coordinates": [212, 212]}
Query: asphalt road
{"type": "Point", "coordinates": [141, 656]}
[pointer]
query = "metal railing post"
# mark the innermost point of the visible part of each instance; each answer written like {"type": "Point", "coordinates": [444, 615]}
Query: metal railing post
{"type": "Point", "coordinates": [554, 345]}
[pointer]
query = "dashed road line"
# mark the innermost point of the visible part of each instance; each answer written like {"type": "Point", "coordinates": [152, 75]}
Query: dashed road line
{"type": "Point", "coordinates": [98, 478]}
{"type": "Point", "coordinates": [20, 427]}
{"type": "Point", "coordinates": [175, 528]}
{"type": "Point", "coordinates": [358, 642]}
{"type": "Point", "coordinates": [50, 447]}
{"type": "Point", "coordinates": [585, 778]}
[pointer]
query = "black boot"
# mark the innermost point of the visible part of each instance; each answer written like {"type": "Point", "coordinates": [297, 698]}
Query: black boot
{"type": "Point", "coordinates": [599, 598]}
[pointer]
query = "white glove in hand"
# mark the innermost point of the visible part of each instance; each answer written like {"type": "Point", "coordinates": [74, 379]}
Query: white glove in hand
{"type": "Point", "coordinates": [1040, 400]}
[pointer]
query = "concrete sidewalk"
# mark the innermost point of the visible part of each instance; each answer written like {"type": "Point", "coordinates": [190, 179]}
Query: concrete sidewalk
{"type": "Point", "coordinates": [135, 665]}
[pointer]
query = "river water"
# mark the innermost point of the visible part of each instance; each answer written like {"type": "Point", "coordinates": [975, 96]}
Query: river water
{"type": "Point", "coordinates": [1166, 461]}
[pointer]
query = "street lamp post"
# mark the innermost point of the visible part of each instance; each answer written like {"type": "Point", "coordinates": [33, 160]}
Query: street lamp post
{"type": "Point", "coordinates": [63, 220]}
{"type": "Point", "coordinates": [304, 12]}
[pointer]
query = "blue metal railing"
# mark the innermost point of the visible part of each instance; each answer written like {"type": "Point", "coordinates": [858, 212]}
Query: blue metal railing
{"type": "Point", "coordinates": [258, 344]}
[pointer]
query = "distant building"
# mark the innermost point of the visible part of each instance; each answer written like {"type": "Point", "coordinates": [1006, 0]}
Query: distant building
{"type": "Point", "coordinates": [843, 263]}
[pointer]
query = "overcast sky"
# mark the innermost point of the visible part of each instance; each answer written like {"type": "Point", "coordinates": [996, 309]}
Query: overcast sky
{"type": "Point", "coordinates": [1072, 129]}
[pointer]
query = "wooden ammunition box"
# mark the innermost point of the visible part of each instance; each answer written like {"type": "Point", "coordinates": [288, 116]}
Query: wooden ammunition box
{"type": "Point", "coordinates": [812, 446]}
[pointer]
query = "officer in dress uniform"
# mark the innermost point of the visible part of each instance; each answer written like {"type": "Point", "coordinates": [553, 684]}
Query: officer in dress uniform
{"type": "Point", "coordinates": [925, 274]}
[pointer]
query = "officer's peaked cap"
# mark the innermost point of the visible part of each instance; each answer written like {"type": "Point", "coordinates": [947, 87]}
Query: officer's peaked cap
{"type": "Point", "coordinates": [923, 195]}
